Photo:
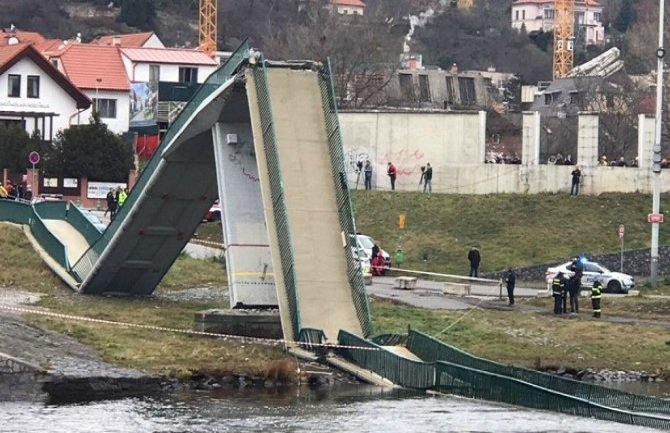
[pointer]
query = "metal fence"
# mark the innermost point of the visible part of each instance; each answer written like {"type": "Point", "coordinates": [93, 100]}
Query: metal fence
{"type": "Point", "coordinates": [85, 264]}
{"type": "Point", "coordinates": [277, 193]}
{"type": "Point", "coordinates": [344, 207]}
{"type": "Point", "coordinates": [473, 383]}
{"type": "Point", "coordinates": [14, 211]}
{"type": "Point", "coordinates": [430, 349]}
{"type": "Point", "coordinates": [77, 219]}
{"type": "Point", "coordinates": [401, 371]}
{"type": "Point", "coordinates": [47, 240]}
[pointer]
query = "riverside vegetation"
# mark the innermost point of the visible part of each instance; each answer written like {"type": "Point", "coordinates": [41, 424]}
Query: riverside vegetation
{"type": "Point", "coordinates": [440, 228]}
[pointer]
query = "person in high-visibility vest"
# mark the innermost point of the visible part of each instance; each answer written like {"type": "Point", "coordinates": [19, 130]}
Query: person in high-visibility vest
{"type": "Point", "coordinates": [596, 294]}
{"type": "Point", "coordinates": [558, 292]}
{"type": "Point", "coordinates": [123, 195]}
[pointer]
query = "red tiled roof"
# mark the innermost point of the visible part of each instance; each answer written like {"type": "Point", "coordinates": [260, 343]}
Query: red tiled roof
{"type": "Point", "coordinates": [49, 45]}
{"type": "Point", "coordinates": [354, 3]}
{"type": "Point", "coordinates": [11, 54]}
{"type": "Point", "coordinates": [131, 40]}
{"type": "Point", "coordinates": [84, 64]}
{"type": "Point", "coordinates": [23, 37]}
{"type": "Point", "coordinates": [168, 55]}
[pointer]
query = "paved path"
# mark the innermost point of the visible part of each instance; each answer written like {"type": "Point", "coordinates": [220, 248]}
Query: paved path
{"type": "Point", "coordinates": [428, 294]}
{"type": "Point", "coordinates": [75, 244]}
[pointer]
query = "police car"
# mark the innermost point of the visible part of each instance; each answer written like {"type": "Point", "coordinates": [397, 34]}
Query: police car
{"type": "Point", "coordinates": [613, 282]}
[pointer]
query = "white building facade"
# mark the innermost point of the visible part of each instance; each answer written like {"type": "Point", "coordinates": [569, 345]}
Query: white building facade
{"type": "Point", "coordinates": [538, 15]}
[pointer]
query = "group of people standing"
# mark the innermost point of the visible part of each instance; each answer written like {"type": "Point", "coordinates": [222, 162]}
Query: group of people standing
{"type": "Point", "coordinates": [426, 178]}
{"type": "Point", "coordinates": [12, 191]}
{"type": "Point", "coordinates": [563, 286]}
{"type": "Point", "coordinates": [115, 199]}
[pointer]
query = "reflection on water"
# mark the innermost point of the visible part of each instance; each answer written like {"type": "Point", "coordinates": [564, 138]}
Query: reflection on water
{"type": "Point", "coordinates": [354, 409]}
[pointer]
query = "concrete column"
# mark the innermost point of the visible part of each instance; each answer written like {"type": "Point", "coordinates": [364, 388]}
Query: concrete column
{"type": "Point", "coordinates": [587, 139]}
{"type": "Point", "coordinates": [530, 142]}
{"type": "Point", "coordinates": [482, 136]}
{"type": "Point", "coordinates": [645, 140]}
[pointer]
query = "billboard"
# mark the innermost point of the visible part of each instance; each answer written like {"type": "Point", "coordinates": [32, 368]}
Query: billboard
{"type": "Point", "coordinates": [143, 101]}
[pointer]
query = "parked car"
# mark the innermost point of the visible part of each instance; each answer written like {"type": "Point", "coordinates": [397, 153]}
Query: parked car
{"type": "Point", "coordinates": [214, 213]}
{"type": "Point", "coordinates": [613, 282]}
{"type": "Point", "coordinates": [362, 259]}
{"type": "Point", "coordinates": [365, 243]}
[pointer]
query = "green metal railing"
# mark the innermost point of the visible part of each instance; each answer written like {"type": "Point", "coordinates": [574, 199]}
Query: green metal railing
{"type": "Point", "coordinates": [401, 371]}
{"type": "Point", "coordinates": [51, 210]}
{"type": "Point", "coordinates": [76, 218]}
{"type": "Point", "coordinates": [430, 349]}
{"type": "Point", "coordinates": [85, 264]}
{"type": "Point", "coordinates": [473, 383]}
{"type": "Point", "coordinates": [14, 211]}
{"type": "Point", "coordinates": [47, 240]}
{"type": "Point", "coordinates": [343, 198]}
{"type": "Point", "coordinates": [277, 193]}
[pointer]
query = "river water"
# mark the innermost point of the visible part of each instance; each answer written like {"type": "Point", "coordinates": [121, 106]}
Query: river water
{"type": "Point", "coordinates": [347, 409]}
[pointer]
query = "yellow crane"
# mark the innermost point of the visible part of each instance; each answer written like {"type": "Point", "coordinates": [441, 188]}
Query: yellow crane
{"type": "Point", "coordinates": [564, 37]}
{"type": "Point", "coordinates": [207, 26]}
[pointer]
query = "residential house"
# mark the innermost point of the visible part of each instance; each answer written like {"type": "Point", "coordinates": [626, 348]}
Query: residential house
{"type": "Point", "coordinates": [35, 95]}
{"type": "Point", "coordinates": [538, 15]}
{"type": "Point", "coordinates": [12, 36]}
{"type": "Point", "coordinates": [104, 80]}
{"type": "Point", "coordinates": [130, 40]}
{"type": "Point", "coordinates": [347, 7]}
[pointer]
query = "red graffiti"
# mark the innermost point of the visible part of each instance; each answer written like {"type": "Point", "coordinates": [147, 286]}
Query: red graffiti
{"type": "Point", "coordinates": [408, 162]}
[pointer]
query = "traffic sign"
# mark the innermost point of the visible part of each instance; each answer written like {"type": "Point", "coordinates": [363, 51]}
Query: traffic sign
{"type": "Point", "coordinates": [622, 230]}
{"type": "Point", "coordinates": [655, 218]}
{"type": "Point", "coordinates": [34, 158]}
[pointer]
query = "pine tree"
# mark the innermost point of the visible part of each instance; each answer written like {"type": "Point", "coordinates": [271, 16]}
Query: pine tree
{"type": "Point", "coordinates": [626, 16]}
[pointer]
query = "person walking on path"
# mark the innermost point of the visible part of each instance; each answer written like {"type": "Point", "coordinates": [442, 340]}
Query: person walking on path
{"type": "Point", "coordinates": [123, 195]}
{"type": "Point", "coordinates": [596, 294]}
{"type": "Point", "coordinates": [428, 178]}
{"type": "Point", "coordinates": [475, 258]}
{"type": "Point", "coordinates": [576, 175]}
{"type": "Point", "coordinates": [368, 175]}
{"type": "Point", "coordinates": [511, 281]}
{"type": "Point", "coordinates": [111, 203]}
{"type": "Point", "coordinates": [392, 172]}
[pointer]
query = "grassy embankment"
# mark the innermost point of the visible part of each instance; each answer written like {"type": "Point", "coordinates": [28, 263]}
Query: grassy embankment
{"type": "Point", "coordinates": [510, 229]}
{"type": "Point", "coordinates": [518, 230]}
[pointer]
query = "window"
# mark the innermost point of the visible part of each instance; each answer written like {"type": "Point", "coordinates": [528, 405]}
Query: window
{"type": "Point", "coordinates": [548, 14]}
{"type": "Point", "coordinates": [424, 88]}
{"type": "Point", "coordinates": [450, 90]}
{"type": "Point", "coordinates": [155, 73]}
{"type": "Point", "coordinates": [466, 86]}
{"type": "Point", "coordinates": [188, 75]}
{"type": "Point", "coordinates": [548, 98]}
{"type": "Point", "coordinates": [516, 15]}
{"type": "Point", "coordinates": [406, 86]}
{"type": "Point", "coordinates": [580, 17]}
{"type": "Point", "coordinates": [105, 107]}
{"type": "Point", "coordinates": [14, 86]}
{"type": "Point", "coordinates": [523, 14]}
{"type": "Point", "coordinates": [574, 97]}
{"type": "Point", "coordinates": [597, 16]}
{"type": "Point", "coordinates": [33, 86]}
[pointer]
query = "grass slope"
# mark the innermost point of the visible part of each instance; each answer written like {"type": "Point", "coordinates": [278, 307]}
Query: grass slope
{"type": "Point", "coordinates": [509, 229]}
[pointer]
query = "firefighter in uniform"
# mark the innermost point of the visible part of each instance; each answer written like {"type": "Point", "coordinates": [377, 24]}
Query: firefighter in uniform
{"type": "Point", "coordinates": [558, 292]}
{"type": "Point", "coordinates": [596, 294]}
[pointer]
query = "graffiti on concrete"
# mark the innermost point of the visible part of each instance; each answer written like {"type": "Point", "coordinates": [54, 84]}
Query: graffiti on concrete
{"type": "Point", "coordinates": [243, 163]}
{"type": "Point", "coordinates": [407, 161]}
{"type": "Point", "coordinates": [353, 157]}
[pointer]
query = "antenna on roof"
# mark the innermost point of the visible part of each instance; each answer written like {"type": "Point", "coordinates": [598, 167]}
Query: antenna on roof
{"type": "Point", "coordinates": [12, 27]}
{"type": "Point", "coordinates": [78, 38]}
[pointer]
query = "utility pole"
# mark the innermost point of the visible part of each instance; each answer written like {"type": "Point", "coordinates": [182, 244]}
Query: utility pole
{"type": "Point", "coordinates": [656, 166]}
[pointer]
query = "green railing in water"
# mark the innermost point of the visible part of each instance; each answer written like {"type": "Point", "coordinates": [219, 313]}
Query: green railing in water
{"type": "Point", "coordinates": [473, 383]}
{"type": "Point", "coordinates": [343, 198]}
{"type": "Point", "coordinates": [401, 371]}
{"type": "Point", "coordinates": [85, 265]}
{"type": "Point", "coordinates": [277, 193]}
{"type": "Point", "coordinates": [430, 349]}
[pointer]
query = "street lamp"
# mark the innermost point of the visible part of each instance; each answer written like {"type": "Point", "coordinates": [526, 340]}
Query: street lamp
{"type": "Point", "coordinates": [656, 163]}
{"type": "Point", "coordinates": [97, 99]}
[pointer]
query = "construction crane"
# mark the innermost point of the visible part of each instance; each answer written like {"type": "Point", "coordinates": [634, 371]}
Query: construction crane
{"type": "Point", "coordinates": [207, 27]}
{"type": "Point", "coordinates": [564, 37]}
